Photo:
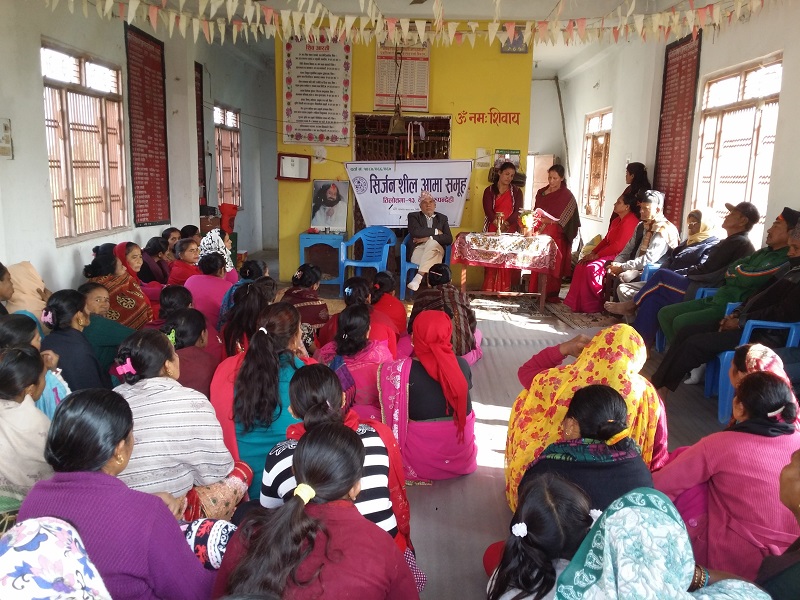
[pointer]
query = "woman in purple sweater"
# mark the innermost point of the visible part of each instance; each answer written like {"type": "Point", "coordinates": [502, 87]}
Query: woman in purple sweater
{"type": "Point", "coordinates": [131, 537]}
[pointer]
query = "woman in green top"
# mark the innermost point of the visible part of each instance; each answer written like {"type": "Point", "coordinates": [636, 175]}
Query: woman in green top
{"type": "Point", "coordinates": [103, 334]}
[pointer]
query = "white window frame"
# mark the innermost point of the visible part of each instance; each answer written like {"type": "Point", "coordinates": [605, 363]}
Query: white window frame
{"type": "Point", "coordinates": [590, 134]}
{"type": "Point", "coordinates": [68, 107]}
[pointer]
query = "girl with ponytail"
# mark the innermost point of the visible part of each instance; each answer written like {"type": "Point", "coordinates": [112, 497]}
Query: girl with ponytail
{"type": "Point", "coordinates": [550, 523]}
{"type": "Point", "coordinates": [250, 391]}
{"type": "Point", "coordinates": [317, 545]}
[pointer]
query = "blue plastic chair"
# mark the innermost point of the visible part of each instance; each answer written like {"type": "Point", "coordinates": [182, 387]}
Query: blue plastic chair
{"type": "Point", "coordinates": [406, 266]}
{"type": "Point", "coordinates": [722, 363]}
{"type": "Point", "coordinates": [648, 271]}
{"type": "Point", "coordinates": [661, 339]}
{"type": "Point", "coordinates": [376, 241]}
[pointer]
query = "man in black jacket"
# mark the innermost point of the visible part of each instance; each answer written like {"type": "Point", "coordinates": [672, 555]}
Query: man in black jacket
{"type": "Point", "coordinates": [430, 233]}
{"type": "Point", "coordinates": [778, 300]}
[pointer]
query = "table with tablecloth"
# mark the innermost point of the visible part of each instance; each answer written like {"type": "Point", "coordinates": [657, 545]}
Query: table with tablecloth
{"type": "Point", "coordinates": [536, 253]}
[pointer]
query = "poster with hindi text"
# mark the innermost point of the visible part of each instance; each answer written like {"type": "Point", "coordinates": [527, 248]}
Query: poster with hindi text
{"type": "Point", "coordinates": [316, 91]}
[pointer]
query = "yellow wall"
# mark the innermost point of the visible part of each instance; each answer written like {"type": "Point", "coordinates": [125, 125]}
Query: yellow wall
{"type": "Point", "coordinates": [462, 78]}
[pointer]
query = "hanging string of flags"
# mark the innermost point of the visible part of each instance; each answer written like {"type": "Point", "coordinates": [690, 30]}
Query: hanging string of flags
{"type": "Point", "coordinates": [249, 19]}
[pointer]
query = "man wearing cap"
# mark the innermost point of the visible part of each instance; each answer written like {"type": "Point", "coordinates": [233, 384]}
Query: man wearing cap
{"type": "Point", "coordinates": [430, 233]}
{"type": "Point", "coordinates": [742, 278]}
{"type": "Point", "coordinates": [651, 240]}
{"type": "Point", "coordinates": [778, 300]}
{"type": "Point", "coordinates": [666, 287]}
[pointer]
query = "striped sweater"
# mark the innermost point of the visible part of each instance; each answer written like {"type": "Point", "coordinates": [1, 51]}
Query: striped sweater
{"type": "Point", "coordinates": [177, 438]}
{"type": "Point", "coordinates": [373, 501]}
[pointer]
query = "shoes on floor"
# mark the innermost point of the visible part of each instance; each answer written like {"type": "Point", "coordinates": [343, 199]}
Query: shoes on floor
{"type": "Point", "coordinates": [696, 375]}
{"type": "Point", "coordinates": [413, 285]}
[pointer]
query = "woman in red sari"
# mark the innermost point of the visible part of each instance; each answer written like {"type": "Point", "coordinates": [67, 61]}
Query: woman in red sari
{"type": "Point", "coordinates": [556, 200]}
{"type": "Point", "coordinates": [502, 197]}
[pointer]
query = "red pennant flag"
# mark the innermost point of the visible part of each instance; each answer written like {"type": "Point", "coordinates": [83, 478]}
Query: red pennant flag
{"type": "Point", "coordinates": [152, 12]}
{"type": "Point", "coordinates": [390, 25]}
{"type": "Point", "coordinates": [267, 13]}
{"type": "Point", "coordinates": [570, 27]}
{"type": "Point", "coordinates": [122, 8]}
{"type": "Point", "coordinates": [459, 37]}
{"type": "Point", "coordinates": [582, 28]}
{"type": "Point", "coordinates": [694, 33]}
{"type": "Point", "coordinates": [616, 34]}
{"type": "Point", "coordinates": [511, 30]}
{"type": "Point", "coordinates": [701, 16]}
{"type": "Point", "coordinates": [691, 4]}
{"type": "Point", "coordinates": [542, 27]}
{"type": "Point", "coordinates": [206, 32]}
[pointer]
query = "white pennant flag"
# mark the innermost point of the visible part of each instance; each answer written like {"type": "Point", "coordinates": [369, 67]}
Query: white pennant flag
{"type": "Point", "coordinates": [379, 24]}
{"type": "Point", "coordinates": [53, 7]}
{"type": "Point", "coordinates": [297, 20]}
{"type": "Point", "coordinates": [452, 27]}
{"type": "Point", "coordinates": [381, 36]}
{"type": "Point", "coordinates": [738, 9]}
{"type": "Point", "coordinates": [231, 5]}
{"type": "Point", "coordinates": [246, 30]}
{"type": "Point", "coordinates": [249, 10]}
{"type": "Point", "coordinates": [361, 5]}
{"type": "Point", "coordinates": [202, 7]}
{"type": "Point", "coordinates": [300, 5]}
{"type": "Point", "coordinates": [183, 22]}
{"type": "Point", "coordinates": [307, 23]}
{"type": "Point", "coordinates": [690, 15]}
{"type": "Point", "coordinates": [234, 32]}
{"type": "Point", "coordinates": [195, 28]}
{"type": "Point", "coordinates": [133, 5]}
{"type": "Point", "coordinates": [630, 9]}
{"type": "Point", "coordinates": [211, 30]}
{"type": "Point", "coordinates": [473, 25]}
{"type": "Point", "coordinates": [85, 7]}
{"type": "Point", "coordinates": [503, 37]}
{"type": "Point", "coordinates": [221, 27]}
{"type": "Point", "coordinates": [755, 6]}
{"type": "Point", "coordinates": [422, 29]}
{"type": "Point", "coordinates": [528, 34]}
{"type": "Point", "coordinates": [333, 22]}
{"type": "Point", "coordinates": [254, 30]}
{"type": "Point", "coordinates": [366, 36]}
{"type": "Point", "coordinates": [348, 25]}
{"type": "Point", "coordinates": [215, 4]}
{"type": "Point", "coordinates": [471, 38]}
{"type": "Point", "coordinates": [362, 24]}
{"type": "Point", "coordinates": [717, 14]}
{"type": "Point", "coordinates": [171, 15]}
{"type": "Point", "coordinates": [286, 23]}
{"type": "Point", "coordinates": [638, 21]}
{"type": "Point", "coordinates": [492, 29]}
{"type": "Point", "coordinates": [180, 5]}
{"type": "Point", "coordinates": [109, 4]}
{"type": "Point", "coordinates": [99, 6]}
{"type": "Point", "coordinates": [405, 25]}
{"type": "Point", "coordinates": [270, 31]}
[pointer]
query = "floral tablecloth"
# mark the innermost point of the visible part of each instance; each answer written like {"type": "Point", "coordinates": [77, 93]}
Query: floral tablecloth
{"type": "Point", "coordinates": [509, 250]}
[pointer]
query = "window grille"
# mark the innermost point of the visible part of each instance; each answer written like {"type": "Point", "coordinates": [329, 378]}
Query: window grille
{"type": "Point", "coordinates": [229, 177]}
{"type": "Point", "coordinates": [596, 146]}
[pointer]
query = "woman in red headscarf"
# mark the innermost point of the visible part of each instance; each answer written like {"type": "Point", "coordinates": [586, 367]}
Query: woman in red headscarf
{"type": "Point", "coordinates": [417, 395]}
{"type": "Point", "coordinates": [132, 258]}
{"type": "Point", "coordinates": [129, 304]}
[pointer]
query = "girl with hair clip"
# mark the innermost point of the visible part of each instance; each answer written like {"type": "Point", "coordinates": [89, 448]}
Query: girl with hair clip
{"type": "Point", "coordinates": [179, 445]}
{"type": "Point", "coordinates": [546, 530]}
{"type": "Point", "coordinates": [317, 544]}
{"type": "Point", "coordinates": [357, 291]}
{"type": "Point", "coordinates": [304, 296]}
{"type": "Point", "coordinates": [209, 288]}
{"type": "Point", "coordinates": [217, 241]}
{"type": "Point", "coordinates": [23, 428]}
{"type": "Point", "coordinates": [186, 329]}
{"type": "Point", "coordinates": [597, 452]}
{"type": "Point", "coordinates": [317, 398]}
{"type": "Point", "coordinates": [356, 360]}
{"type": "Point", "coordinates": [441, 294]}
{"type": "Point", "coordinates": [249, 301]}
{"type": "Point", "coordinates": [743, 520]}
{"type": "Point", "coordinates": [250, 271]}
{"type": "Point", "coordinates": [129, 306]}
{"type": "Point", "coordinates": [384, 300]}
{"type": "Point", "coordinates": [67, 316]}
{"type": "Point", "coordinates": [21, 331]}
{"type": "Point", "coordinates": [250, 391]}
{"type": "Point", "coordinates": [133, 538]}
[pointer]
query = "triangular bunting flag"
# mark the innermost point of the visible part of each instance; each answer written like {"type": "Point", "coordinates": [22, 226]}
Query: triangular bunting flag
{"type": "Point", "coordinates": [202, 7]}
{"type": "Point", "coordinates": [195, 28]}
{"type": "Point", "coordinates": [107, 8]}
{"type": "Point", "coordinates": [171, 16]}
{"type": "Point", "coordinates": [308, 22]}
{"type": "Point", "coordinates": [581, 28]}
{"type": "Point", "coordinates": [541, 27]}
{"type": "Point", "coordinates": [511, 30]}
{"type": "Point", "coordinates": [405, 25]}
{"type": "Point", "coordinates": [180, 5]}
{"type": "Point", "coordinates": [615, 31]}
{"type": "Point", "coordinates": [348, 25]}
{"type": "Point", "coordinates": [492, 30]}
{"type": "Point", "coordinates": [297, 23]}
{"type": "Point", "coordinates": [249, 10]}
{"type": "Point", "coordinates": [212, 11]}
{"type": "Point", "coordinates": [390, 25]}
{"type": "Point", "coordinates": [422, 29]}
{"type": "Point", "coordinates": [183, 23]}
{"type": "Point", "coordinates": [459, 38]}
{"type": "Point", "coordinates": [503, 37]}
{"type": "Point", "coordinates": [231, 6]}
{"type": "Point", "coordinates": [452, 27]}
{"type": "Point", "coordinates": [133, 6]}
{"type": "Point", "coordinates": [221, 27]}
{"type": "Point", "coordinates": [638, 22]}
{"type": "Point", "coordinates": [471, 38]}
{"type": "Point", "coordinates": [207, 31]}
{"type": "Point", "coordinates": [152, 14]}
{"type": "Point", "coordinates": [528, 32]}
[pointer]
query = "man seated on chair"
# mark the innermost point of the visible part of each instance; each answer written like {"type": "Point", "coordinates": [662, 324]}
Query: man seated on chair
{"type": "Point", "coordinates": [778, 300]}
{"type": "Point", "coordinates": [430, 233]}
{"type": "Point", "coordinates": [651, 240]}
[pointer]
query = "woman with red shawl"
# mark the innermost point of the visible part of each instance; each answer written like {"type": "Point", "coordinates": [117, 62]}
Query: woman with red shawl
{"type": "Point", "coordinates": [555, 199]}
{"type": "Point", "coordinates": [417, 395]}
{"type": "Point", "coordinates": [129, 304]}
{"type": "Point", "coordinates": [187, 254]}
{"type": "Point", "coordinates": [502, 197]}
{"type": "Point", "coordinates": [132, 258]}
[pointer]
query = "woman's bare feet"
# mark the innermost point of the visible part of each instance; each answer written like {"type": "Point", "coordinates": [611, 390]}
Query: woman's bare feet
{"type": "Point", "coordinates": [621, 308]}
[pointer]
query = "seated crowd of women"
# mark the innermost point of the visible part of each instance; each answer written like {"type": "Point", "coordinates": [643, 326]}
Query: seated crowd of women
{"type": "Point", "coordinates": [197, 410]}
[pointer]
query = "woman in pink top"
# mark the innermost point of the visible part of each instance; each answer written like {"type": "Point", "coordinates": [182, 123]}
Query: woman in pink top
{"type": "Point", "coordinates": [745, 520]}
{"type": "Point", "coordinates": [208, 289]}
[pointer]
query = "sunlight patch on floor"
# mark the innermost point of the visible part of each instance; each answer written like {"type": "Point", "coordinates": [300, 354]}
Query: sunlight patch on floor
{"type": "Point", "coordinates": [491, 426]}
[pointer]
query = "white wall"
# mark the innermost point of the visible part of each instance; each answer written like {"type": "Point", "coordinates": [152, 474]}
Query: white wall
{"type": "Point", "coordinates": [627, 77]}
{"type": "Point", "coordinates": [546, 135]}
{"type": "Point", "coordinates": [26, 219]}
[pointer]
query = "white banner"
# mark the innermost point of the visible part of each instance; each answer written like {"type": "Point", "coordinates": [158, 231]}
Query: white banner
{"type": "Point", "coordinates": [387, 191]}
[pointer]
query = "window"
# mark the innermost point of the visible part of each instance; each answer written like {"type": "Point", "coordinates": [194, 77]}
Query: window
{"type": "Point", "coordinates": [596, 143]}
{"type": "Point", "coordinates": [85, 145]}
{"type": "Point", "coordinates": [737, 137]}
{"type": "Point", "coordinates": [229, 177]}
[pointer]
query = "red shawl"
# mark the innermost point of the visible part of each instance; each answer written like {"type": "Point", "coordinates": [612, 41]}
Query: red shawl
{"type": "Point", "coordinates": [152, 290]}
{"type": "Point", "coordinates": [397, 478]}
{"type": "Point", "coordinates": [561, 204]}
{"type": "Point", "coordinates": [181, 271]}
{"type": "Point", "coordinates": [433, 332]}
{"type": "Point", "coordinates": [129, 305]}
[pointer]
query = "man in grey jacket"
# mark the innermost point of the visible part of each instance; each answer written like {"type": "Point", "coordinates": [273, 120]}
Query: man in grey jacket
{"type": "Point", "coordinates": [651, 240]}
{"type": "Point", "coordinates": [430, 233]}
